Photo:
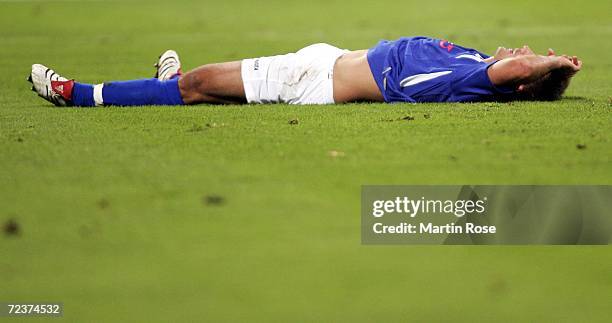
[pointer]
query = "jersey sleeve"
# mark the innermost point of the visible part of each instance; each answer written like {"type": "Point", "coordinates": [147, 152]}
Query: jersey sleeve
{"type": "Point", "coordinates": [471, 83]}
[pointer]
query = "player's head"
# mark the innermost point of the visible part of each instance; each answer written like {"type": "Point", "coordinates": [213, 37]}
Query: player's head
{"type": "Point", "coordinates": [548, 88]}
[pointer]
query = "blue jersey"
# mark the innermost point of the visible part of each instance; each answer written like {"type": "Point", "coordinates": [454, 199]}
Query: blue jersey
{"type": "Point", "coordinates": [421, 69]}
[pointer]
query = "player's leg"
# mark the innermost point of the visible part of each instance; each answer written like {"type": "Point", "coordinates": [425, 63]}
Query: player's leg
{"type": "Point", "coordinates": [64, 92]}
{"type": "Point", "coordinates": [214, 83]}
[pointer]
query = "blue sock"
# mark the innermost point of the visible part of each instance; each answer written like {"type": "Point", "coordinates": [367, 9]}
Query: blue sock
{"type": "Point", "coordinates": [82, 95]}
{"type": "Point", "coordinates": [128, 93]}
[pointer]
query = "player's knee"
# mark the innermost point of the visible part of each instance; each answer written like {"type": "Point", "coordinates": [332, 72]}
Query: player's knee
{"type": "Point", "coordinates": [188, 85]}
{"type": "Point", "coordinates": [193, 85]}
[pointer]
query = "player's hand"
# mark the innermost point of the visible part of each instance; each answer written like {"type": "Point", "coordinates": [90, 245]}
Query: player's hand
{"type": "Point", "coordinates": [569, 64]}
{"type": "Point", "coordinates": [525, 50]}
{"type": "Point", "coordinates": [573, 59]}
{"type": "Point", "coordinates": [502, 53]}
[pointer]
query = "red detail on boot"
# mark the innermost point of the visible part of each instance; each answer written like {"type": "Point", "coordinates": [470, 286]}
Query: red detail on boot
{"type": "Point", "coordinates": [63, 88]}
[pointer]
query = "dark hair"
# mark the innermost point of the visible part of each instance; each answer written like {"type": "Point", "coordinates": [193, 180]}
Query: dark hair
{"type": "Point", "coordinates": [548, 88]}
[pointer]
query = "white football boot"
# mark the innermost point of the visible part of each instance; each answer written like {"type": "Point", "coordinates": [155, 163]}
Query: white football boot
{"type": "Point", "coordinates": [51, 86]}
{"type": "Point", "coordinates": [168, 65]}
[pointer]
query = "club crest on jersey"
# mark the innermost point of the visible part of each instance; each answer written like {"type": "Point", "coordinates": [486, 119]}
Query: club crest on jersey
{"type": "Point", "coordinates": [446, 45]}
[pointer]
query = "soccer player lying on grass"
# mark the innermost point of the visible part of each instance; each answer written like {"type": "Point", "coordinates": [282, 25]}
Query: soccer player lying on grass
{"type": "Point", "coordinates": [416, 69]}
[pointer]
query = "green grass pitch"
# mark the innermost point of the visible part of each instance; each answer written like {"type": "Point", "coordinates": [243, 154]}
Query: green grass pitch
{"type": "Point", "coordinates": [231, 213]}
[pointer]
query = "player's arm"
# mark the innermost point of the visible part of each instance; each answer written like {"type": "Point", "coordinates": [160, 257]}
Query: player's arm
{"type": "Point", "coordinates": [525, 69]}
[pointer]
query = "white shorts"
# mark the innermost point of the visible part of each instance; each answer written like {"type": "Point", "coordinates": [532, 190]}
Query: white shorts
{"type": "Point", "coordinates": [305, 77]}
